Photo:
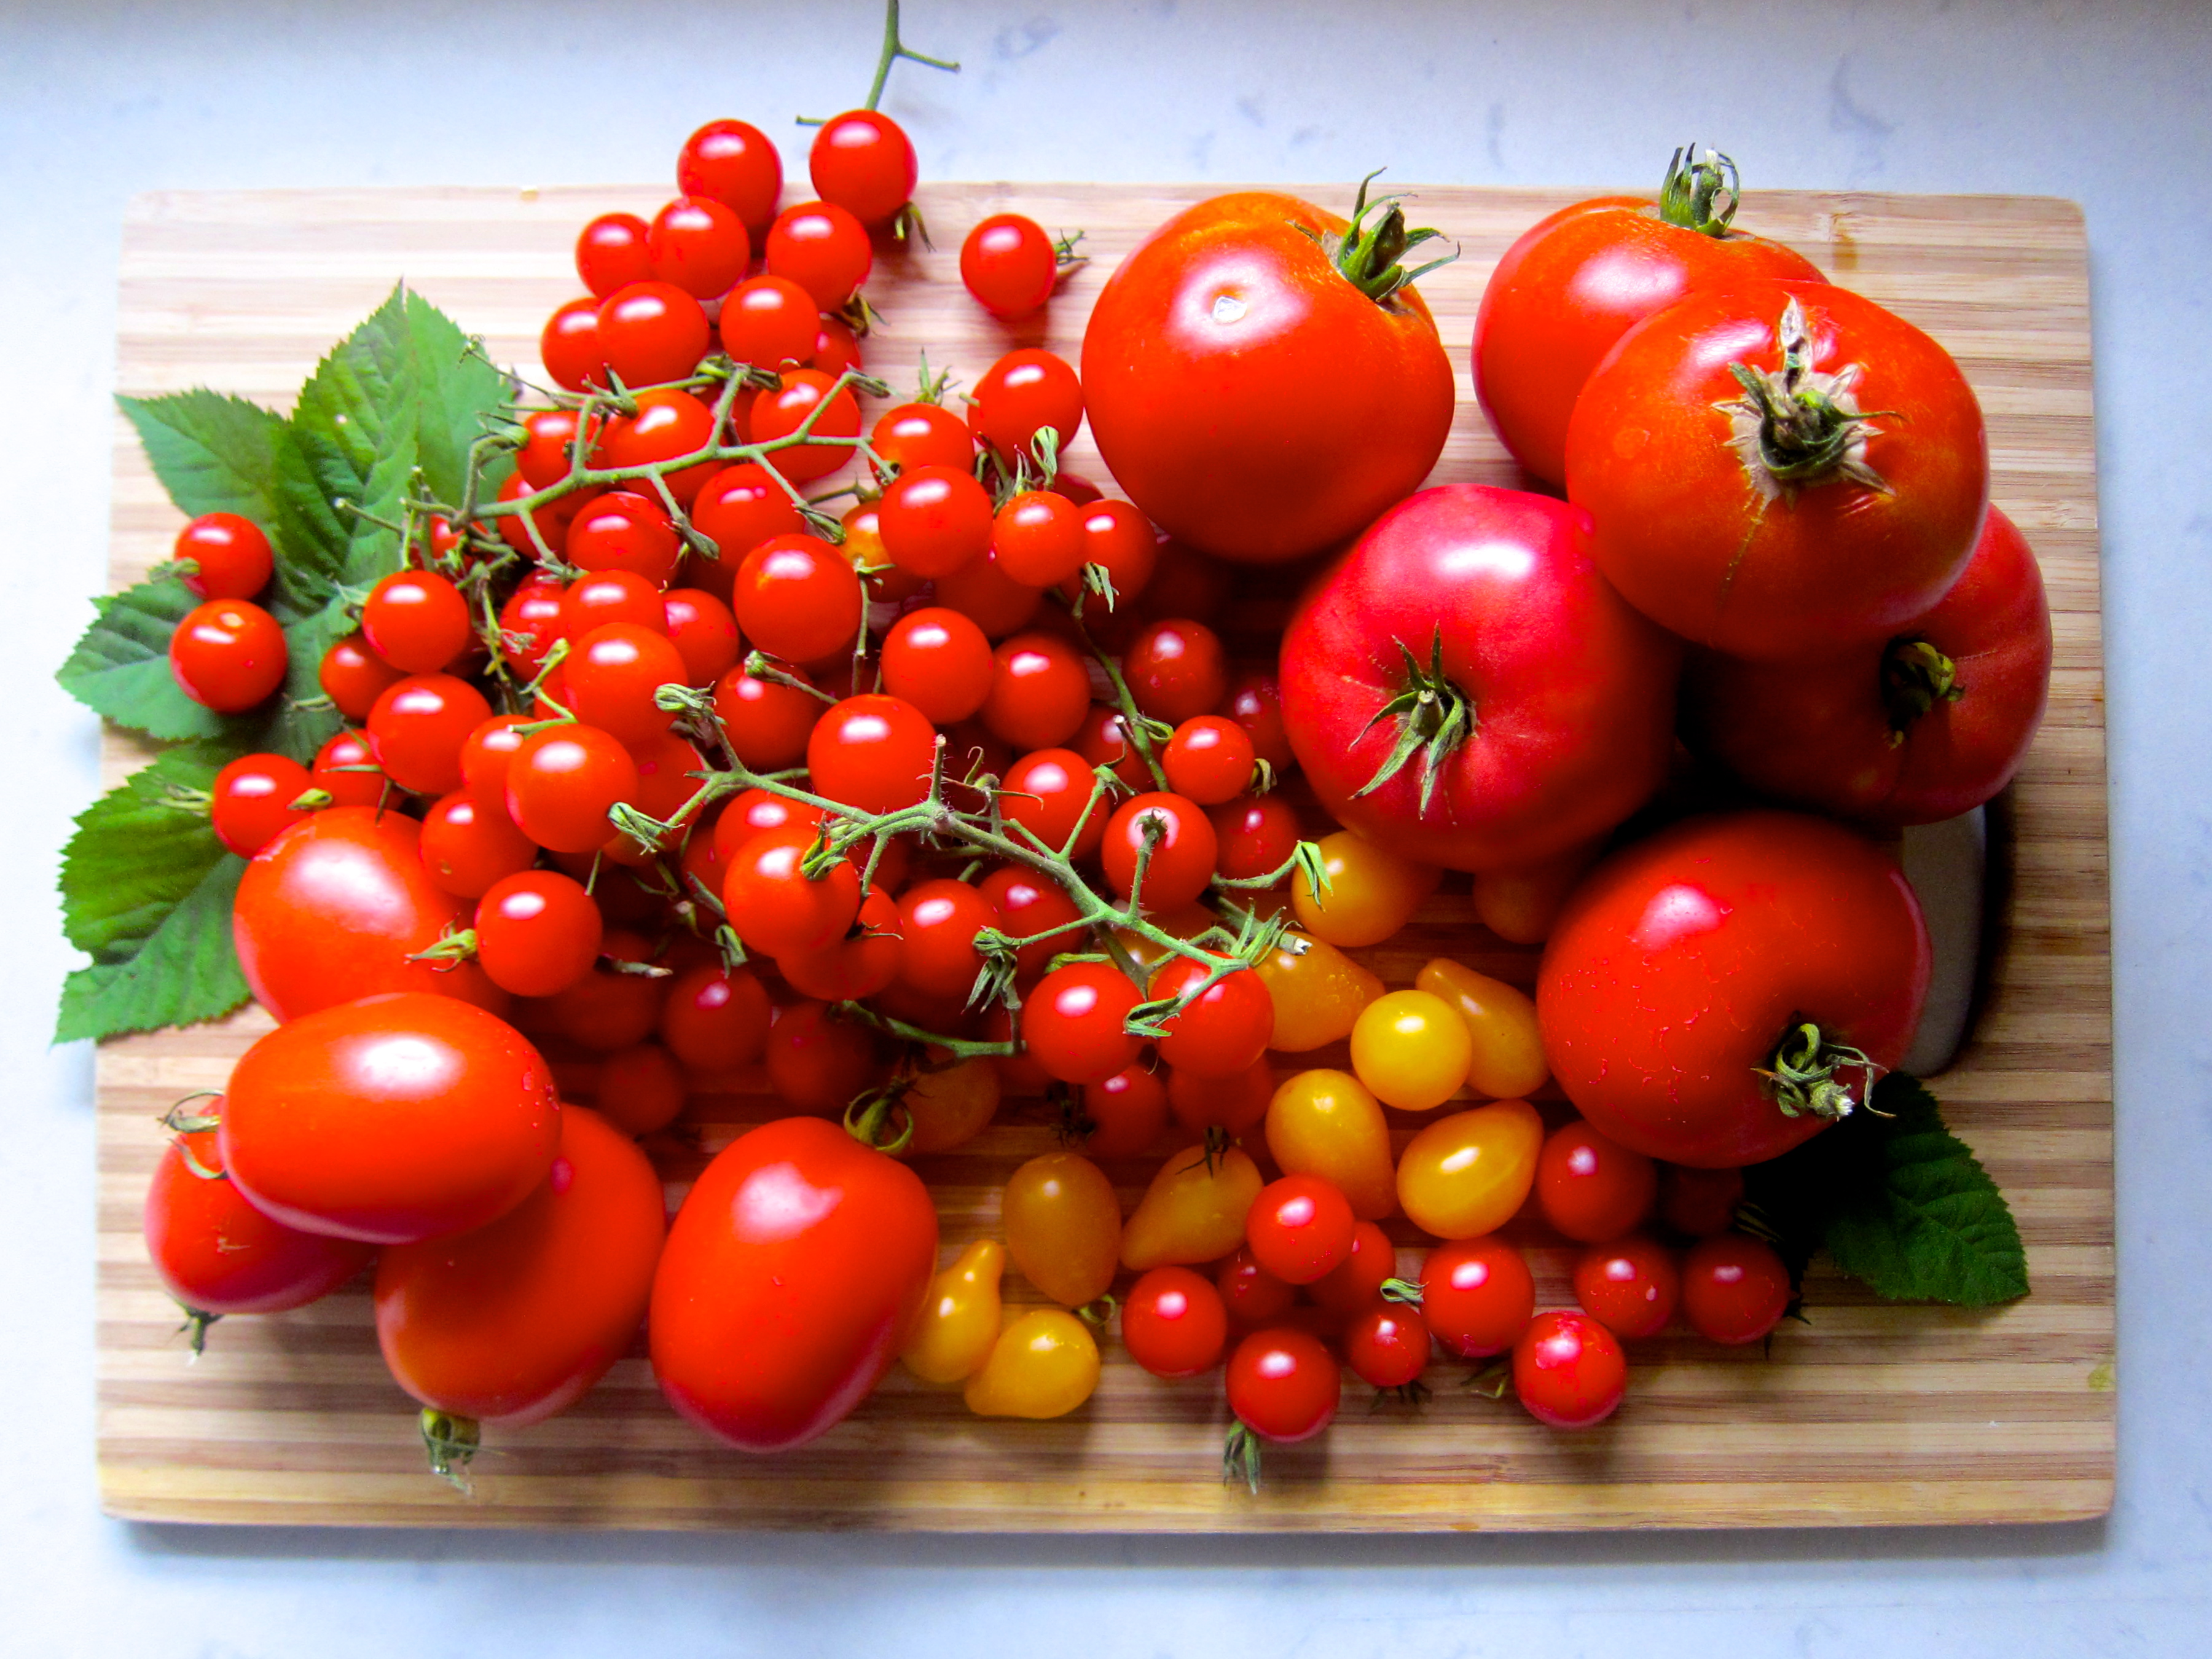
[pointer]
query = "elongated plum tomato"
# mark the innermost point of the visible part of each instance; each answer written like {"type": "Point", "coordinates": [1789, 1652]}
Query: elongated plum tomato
{"type": "Point", "coordinates": [1548, 715]}
{"type": "Point", "coordinates": [1326, 1123]}
{"type": "Point", "coordinates": [1578, 280]}
{"type": "Point", "coordinates": [515, 1323]}
{"type": "Point", "coordinates": [1922, 726]}
{"type": "Point", "coordinates": [1196, 337]}
{"type": "Point", "coordinates": [1779, 536]}
{"type": "Point", "coordinates": [1063, 1226]}
{"type": "Point", "coordinates": [797, 1229]}
{"type": "Point", "coordinates": [334, 908]}
{"type": "Point", "coordinates": [389, 1119]}
{"type": "Point", "coordinates": [1750, 943]}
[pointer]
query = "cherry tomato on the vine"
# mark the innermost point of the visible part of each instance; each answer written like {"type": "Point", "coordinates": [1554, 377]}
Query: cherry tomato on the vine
{"type": "Point", "coordinates": [537, 932]}
{"type": "Point", "coordinates": [1181, 859]}
{"type": "Point", "coordinates": [1009, 264]}
{"type": "Point", "coordinates": [1225, 1030]}
{"type": "Point", "coordinates": [1019, 395]}
{"type": "Point", "coordinates": [561, 782]}
{"type": "Point", "coordinates": [794, 598]}
{"type": "Point", "coordinates": [910, 435]}
{"type": "Point", "coordinates": [651, 332]}
{"type": "Point", "coordinates": [252, 799]}
{"type": "Point", "coordinates": [699, 244]}
{"type": "Point", "coordinates": [934, 519]}
{"type": "Point", "coordinates": [1072, 1021]}
{"type": "Point", "coordinates": [610, 253]}
{"type": "Point", "coordinates": [767, 722]}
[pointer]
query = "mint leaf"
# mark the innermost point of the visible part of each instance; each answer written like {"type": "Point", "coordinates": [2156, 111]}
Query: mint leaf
{"type": "Point", "coordinates": [147, 891]}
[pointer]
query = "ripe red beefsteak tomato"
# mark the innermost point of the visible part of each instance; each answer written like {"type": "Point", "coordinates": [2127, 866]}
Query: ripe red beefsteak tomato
{"type": "Point", "coordinates": [1724, 990]}
{"type": "Point", "coordinates": [1260, 379]}
{"type": "Point", "coordinates": [1464, 689]}
{"type": "Point", "coordinates": [792, 1278]}
{"type": "Point", "coordinates": [1921, 727]}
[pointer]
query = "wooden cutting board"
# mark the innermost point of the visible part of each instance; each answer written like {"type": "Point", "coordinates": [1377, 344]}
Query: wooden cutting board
{"type": "Point", "coordinates": [1867, 1413]}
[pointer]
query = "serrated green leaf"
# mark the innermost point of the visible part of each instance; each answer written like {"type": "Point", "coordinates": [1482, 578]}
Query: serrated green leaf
{"type": "Point", "coordinates": [147, 891]}
{"type": "Point", "coordinates": [458, 389]}
{"type": "Point", "coordinates": [355, 425]}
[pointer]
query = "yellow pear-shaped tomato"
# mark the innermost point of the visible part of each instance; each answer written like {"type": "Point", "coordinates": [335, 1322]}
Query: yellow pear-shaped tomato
{"type": "Point", "coordinates": [1318, 991]}
{"type": "Point", "coordinates": [951, 1108]}
{"type": "Point", "coordinates": [1412, 1050]}
{"type": "Point", "coordinates": [1508, 1048]}
{"type": "Point", "coordinates": [1371, 893]}
{"type": "Point", "coordinates": [960, 1319]}
{"type": "Point", "coordinates": [1466, 1175]}
{"type": "Point", "coordinates": [1063, 1226]}
{"type": "Point", "coordinates": [1326, 1123]}
{"type": "Point", "coordinates": [1192, 1212]}
{"type": "Point", "coordinates": [1043, 1365]}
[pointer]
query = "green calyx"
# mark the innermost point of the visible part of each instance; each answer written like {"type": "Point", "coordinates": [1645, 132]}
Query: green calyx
{"type": "Point", "coordinates": [1798, 426]}
{"type": "Point", "coordinates": [1368, 254]}
{"type": "Point", "coordinates": [451, 1442]}
{"type": "Point", "coordinates": [1699, 194]}
{"type": "Point", "coordinates": [1434, 718]}
{"type": "Point", "coordinates": [1915, 678]}
{"type": "Point", "coordinates": [1801, 1075]}
{"type": "Point", "coordinates": [1240, 1459]}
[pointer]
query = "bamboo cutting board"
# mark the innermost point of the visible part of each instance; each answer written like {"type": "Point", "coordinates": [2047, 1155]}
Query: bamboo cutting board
{"type": "Point", "coordinates": [1869, 1413]}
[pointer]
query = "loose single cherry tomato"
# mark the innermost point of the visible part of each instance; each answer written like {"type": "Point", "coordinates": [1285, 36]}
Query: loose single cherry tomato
{"type": "Point", "coordinates": [1225, 1030]}
{"type": "Point", "coordinates": [1698, 1202]}
{"type": "Point", "coordinates": [1283, 1385]}
{"type": "Point", "coordinates": [1063, 1226]}
{"type": "Point", "coordinates": [795, 599]}
{"type": "Point", "coordinates": [854, 968]}
{"type": "Point", "coordinates": [1009, 264]}
{"type": "Point", "coordinates": [561, 782]}
{"type": "Point", "coordinates": [251, 802]}
{"type": "Point", "coordinates": [1127, 1112]}
{"type": "Point", "coordinates": [1044, 1364]}
{"type": "Point", "coordinates": [1370, 895]}
{"type": "Point", "coordinates": [1319, 993]}
{"type": "Point", "coordinates": [418, 727]}
{"type": "Point", "coordinates": [734, 163]}
{"type": "Point", "coordinates": [230, 554]}
{"type": "Point", "coordinates": [767, 722]}
{"type": "Point", "coordinates": [1326, 1123]}
{"type": "Point", "coordinates": [1467, 1174]}
{"type": "Point", "coordinates": [715, 1018]}
{"type": "Point", "coordinates": [1387, 1347]}
{"type": "Point", "coordinates": [1040, 691]}
{"type": "Point", "coordinates": [653, 332]}
{"type": "Point", "coordinates": [1508, 1059]}
{"type": "Point", "coordinates": [959, 1323]}
{"type": "Point", "coordinates": [610, 253]}
{"type": "Point", "coordinates": [1299, 1227]}
{"type": "Point", "coordinates": [1411, 1048]}
{"type": "Point", "coordinates": [1591, 1188]}
{"type": "Point", "coordinates": [1569, 1371]}
{"type": "Point", "coordinates": [1252, 1295]}
{"type": "Point", "coordinates": [1351, 1287]}
{"type": "Point", "coordinates": [1181, 859]}
{"type": "Point", "coordinates": [1734, 1288]}
{"type": "Point", "coordinates": [822, 247]}
{"type": "Point", "coordinates": [537, 932]}
{"type": "Point", "coordinates": [863, 162]}
{"type": "Point", "coordinates": [1255, 702]}
{"type": "Point", "coordinates": [1476, 1296]}
{"type": "Point", "coordinates": [227, 655]}
{"type": "Point", "coordinates": [699, 245]}
{"type": "Point", "coordinates": [1174, 1324]}
{"type": "Point", "coordinates": [1631, 1286]}
{"type": "Point", "coordinates": [1192, 1212]}
{"type": "Point", "coordinates": [1021, 394]}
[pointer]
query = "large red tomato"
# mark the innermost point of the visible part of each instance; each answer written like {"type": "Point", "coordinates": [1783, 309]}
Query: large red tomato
{"type": "Point", "coordinates": [1692, 977]}
{"type": "Point", "coordinates": [1780, 470]}
{"type": "Point", "coordinates": [1923, 726]}
{"type": "Point", "coordinates": [1577, 280]}
{"type": "Point", "coordinates": [515, 1323]}
{"type": "Point", "coordinates": [333, 908]}
{"type": "Point", "coordinates": [1258, 379]}
{"type": "Point", "coordinates": [1472, 623]}
{"type": "Point", "coordinates": [794, 1272]}
{"type": "Point", "coordinates": [389, 1120]}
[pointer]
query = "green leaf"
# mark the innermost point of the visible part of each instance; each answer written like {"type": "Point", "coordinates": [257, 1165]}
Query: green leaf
{"type": "Point", "coordinates": [147, 891]}
{"type": "Point", "coordinates": [356, 427]}
{"type": "Point", "coordinates": [459, 389]}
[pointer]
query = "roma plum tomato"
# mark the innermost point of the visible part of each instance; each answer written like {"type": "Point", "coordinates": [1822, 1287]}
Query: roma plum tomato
{"type": "Point", "coordinates": [1021, 394]}
{"type": "Point", "coordinates": [1387, 1347]}
{"type": "Point", "coordinates": [1631, 1286]}
{"type": "Point", "coordinates": [715, 1018]}
{"type": "Point", "coordinates": [229, 554]}
{"type": "Point", "coordinates": [562, 781]}
{"type": "Point", "coordinates": [1698, 1202]}
{"type": "Point", "coordinates": [1194, 342]}
{"type": "Point", "coordinates": [1040, 691]}
{"type": "Point", "coordinates": [950, 1107]}
{"type": "Point", "coordinates": [1009, 264]}
{"type": "Point", "coordinates": [704, 633]}
{"type": "Point", "coordinates": [1234, 1104]}
{"type": "Point", "coordinates": [1326, 1123]}
{"type": "Point", "coordinates": [1255, 702]}
{"type": "Point", "coordinates": [1053, 796]}
{"type": "Point", "coordinates": [934, 519]}
{"type": "Point", "coordinates": [1354, 1283]}
{"type": "Point", "coordinates": [1126, 1112]}
{"type": "Point", "coordinates": [1182, 850]}
{"type": "Point", "coordinates": [251, 802]}
{"type": "Point", "coordinates": [1299, 1227]}
{"type": "Point", "coordinates": [863, 162]}
{"type": "Point", "coordinates": [938, 660]}
{"type": "Point", "coordinates": [1318, 991]}
{"type": "Point", "coordinates": [911, 435]}
{"type": "Point", "coordinates": [418, 727]}
{"type": "Point", "coordinates": [1251, 1295]}
{"type": "Point", "coordinates": [1477, 1295]}
{"type": "Point", "coordinates": [817, 1061]}
{"type": "Point", "coordinates": [1734, 1288]}
{"type": "Point", "coordinates": [848, 970]}
{"type": "Point", "coordinates": [1769, 518]}
{"type": "Point", "coordinates": [391, 1119]}
{"type": "Point", "coordinates": [1176, 671]}
{"type": "Point", "coordinates": [822, 247]}
{"type": "Point", "coordinates": [1256, 835]}
{"type": "Point", "coordinates": [772, 903]}
{"type": "Point", "coordinates": [1220, 1032]}
{"type": "Point", "coordinates": [569, 346]}
{"type": "Point", "coordinates": [767, 722]}
{"type": "Point", "coordinates": [873, 751]}
{"type": "Point", "coordinates": [740, 508]}
{"type": "Point", "coordinates": [1591, 1188]}
{"type": "Point", "coordinates": [770, 323]}
{"type": "Point", "coordinates": [1044, 1364]}
{"type": "Point", "coordinates": [416, 621]}
{"type": "Point", "coordinates": [227, 655]}
{"type": "Point", "coordinates": [1120, 541]}
{"type": "Point", "coordinates": [1029, 909]}
{"type": "Point", "coordinates": [734, 163]}
{"type": "Point", "coordinates": [795, 599]}
{"type": "Point", "coordinates": [795, 1227]}
{"type": "Point", "coordinates": [468, 846]}
{"type": "Point", "coordinates": [1174, 1324]}
{"type": "Point", "coordinates": [960, 1316]}
{"type": "Point", "coordinates": [537, 932]}
{"type": "Point", "coordinates": [1467, 1174]}
{"type": "Point", "coordinates": [1411, 1048]}
{"type": "Point", "coordinates": [1745, 940]}
{"type": "Point", "coordinates": [353, 677]}
{"type": "Point", "coordinates": [1577, 281]}
{"type": "Point", "coordinates": [614, 672]}
{"type": "Point", "coordinates": [1283, 1385]}
{"type": "Point", "coordinates": [983, 591]}
{"type": "Point", "coordinates": [610, 253]}
{"type": "Point", "coordinates": [1063, 1226]}
{"type": "Point", "coordinates": [1569, 1371]}
{"type": "Point", "coordinates": [1209, 760]}
{"type": "Point", "coordinates": [1072, 1022]}
{"type": "Point", "coordinates": [651, 332]}
{"type": "Point", "coordinates": [699, 245]}
{"type": "Point", "coordinates": [670, 423]}
{"type": "Point", "coordinates": [1372, 892]}
{"type": "Point", "coordinates": [620, 530]}
{"type": "Point", "coordinates": [345, 769]}
{"type": "Point", "coordinates": [1038, 538]}
{"type": "Point", "coordinates": [640, 1090]}
{"type": "Point", "coordinates": [781, 414]}
{"type": "Point", "coordinates": [1508, 1060]}
{"type": "Point", "coordinates": [1192, 1212]}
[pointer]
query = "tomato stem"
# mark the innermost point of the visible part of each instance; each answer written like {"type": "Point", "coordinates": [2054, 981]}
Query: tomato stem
{"type": "Point", "coordinates": [895, 49]}
{"type": "Point", "coordinates": [1915, 678]}
{"type": "Point", "coordinates": [1240, 1458]}
{"type": "Point", "coordinates": [1400, 1290]}
{"type": "Point", "coordinates": [1800, 426]}
{"type": "Point", "coordinates": [194, 1328]}
{"type": "Point", "coordinates": [1434, 718]}
{"type": "Point", "coordinates": [1700, 195]}
{"type": "Point", "coordinates": [1801, 1076]}
{"type": "Point", "coordinates": [1367, 255]}
{"type": "Point", "coordinates": [452, 1442]}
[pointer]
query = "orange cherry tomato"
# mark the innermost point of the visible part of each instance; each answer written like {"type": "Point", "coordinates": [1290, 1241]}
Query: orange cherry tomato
{"type": "Point", "coordinates": [1063, 1226]}
{"type": "Point", "coordinates": [1467, 1174]}
{"type": "Point", "coordinates": [1043, 1365]}
{"type": "Point", "coordinates": [1318, 991]}
{"type": "Point", "coordinates": [1327, 1123]}
{"type": "Point", "coordinates": [951, 1108]}
{"type": "Point", "coordinates": [960, 1316]}
{"type": "Point", "coordinates": [1371, 893]}
{"type": "Point", "coordinates": [1520, 904]}
{"type": "Point", "coordinates": [1192, 1212]}
{"type": "Point", "coordinates": [1412, 1050]}
{"type": "Point", "coordinates": [1508, 1049]}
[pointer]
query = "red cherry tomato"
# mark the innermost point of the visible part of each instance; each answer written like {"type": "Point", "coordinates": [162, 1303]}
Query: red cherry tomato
{"type": "Point", "coordinates": [934, 519]}
{"type": "Point", "coordinates": [796, 599]}
{"type": "Point", "coordinates": [1476, 1296]}
{"type": "Point", "coordinates": [1183, 849]}
{"type": "Point", "coordinates": [1176, 671]}
{"type": "Point", "coordinates": [1209, 760]}
{"type": "Point", "coordinates": [1054, 798]}
{"type": "Point", "coordinates": [715, 1018]}
{"type": "Point", "coordinates": [569, 346]}
{"type": "Point", "coordinates": [418, 727]}
{"type": "Point", "coordinates": [1038, 538]}
{"type": "Point", "coordinates": [1300, 1228]}
{"type": "Point", "coordinates": [1351, 1287]}
{"type": "Point", "coordinates": [610, 253]}
{"type": "Point", "coordinates": [772, 904]}
{"type": "Point", "coordinates": [863, 162]}
{"type": "Point", "coordinates": [620, 530]}
{"type": "Point", "coordinates": [549, 456]}
{"type": "Point", "coordinates": [1173, 1323]}
{"type": "Point", "coordinates": [1009, 264]}
{"type": "Point", "coordinates": [913, 435]}
{"type": "Point", "coordinates": [1698, 1202]}
{"type": "Point", "coordinates": [1029, 907]}
{"type": "Point", "coordinates": [1021, 394]}
{"type": "Point", "coordinates": [1283, 1385]}
{"type": "Point", "coordinates": [670, 423]}
{"type": "Point", "coordinates": [1255, 702]}
{"type": "Point", "coordinates": [1630, 1286]}
{"type": "Point", "coordinates": [767, 722]}
{"type": "Point", "coordinates": [704, 633]}
{"type": "Point", "coordinates": [231, 556]}
{"type": "Point", "coordinates": [938, 660]}
{"type": "Point", "coordinates": [561, 782]}
{"type": "Point", "coordinates": [468, 846]}
{"type": "Point", "coordinates": [1225, 1030]}
{"type": "Point", "coordinates": [699, 245]}
{"type": "Point", "coordinates": [1119, 540]}
{"type": "Point", "coordinates": [345, 769]}
{"type": "Point", "coordinates": [815, 1061]}
{"type": "Point", "coordinates": [854, 968]}
{"type": "Point", "coordinates": [611, 596]}
{"type": "Point", "coordinates": [733, 162]}
{"type": "Point", "coordinates": [353, 677]}
{"type": "Point", "coordinates": [771, 323]}
{"type": "Point", "coordinates": [640, 1090]}
{"type": "Point", "coordinates": [613, 675]}
{"type": "Point", "coordinates": [1237, 1103]}
{"type": "Point", "coordinates": [874, 752]}
{"type": "Point", "coordinates": [606, 1009]}
{"type": "Point", "coordinates": [1127, 1113]}
{"type": "Point", "coordinates": [822, 247]}
{"type": "Point", "coordinates": [740, 508]}
{"type": "Point", "coordinates": [1072, 1023]}
{"type": "Point", "coordinates": [1387, 1347]}
{"type": "Point", "coordinates": [537, 932]}
{"type": "Point", "coordinates": [1569, 1371]}
{"type": "Point", "coordinates": [982, 591]}
{"type": "Point", "coordinates": [227, 655]}
{"type": "Point", "coordinates": [1591, 1188]}
{"type": "Point", "coordinates": [531, 623]}
{"type": "Point", "coordinates": [1255, 836]}
{"type": "Point", "coordinates": [1734, 1288]}
{"type": "Point", "coordinates": [251, 801]}
{"type": "Point", "coordinates": [779, 414]}
{"type": "Point", "coordinates": [1252, 1296]}
{"type": "Point", "coordinates": [1040, 691]}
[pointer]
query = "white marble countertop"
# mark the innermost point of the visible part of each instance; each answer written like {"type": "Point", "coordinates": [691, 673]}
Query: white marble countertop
{"type": "Point", "coordinates": [2103, 103]}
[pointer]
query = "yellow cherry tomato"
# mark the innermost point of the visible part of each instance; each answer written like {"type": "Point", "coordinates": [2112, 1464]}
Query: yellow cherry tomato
{"type": "Point", "coordinates": [1043, 1365]}
{"type": "Point", "coordinates": [1520, 905]}
{"type": "Point", "coordinates": [960, 1318]}
{"type": "Point", "coordinates": [1371, 893]}
{"type": "Point", "coordinates": [1326, 1123]}
{"type": "Point", "coordinates": [1063, 1226]}
{"type": "Point", "coordinates": [951, 1107]}
{"type": "Point", "coordinates": [1466, 1175]}
{"type": "Point", "coordinates": [1413, 1049]}
{"type": "Point", "coordinates": [1191, 1212]}
{"type": "Point", "coordinates": [1508, 1049]}
{"type": "Point", "coordinates": [1318, 991]}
